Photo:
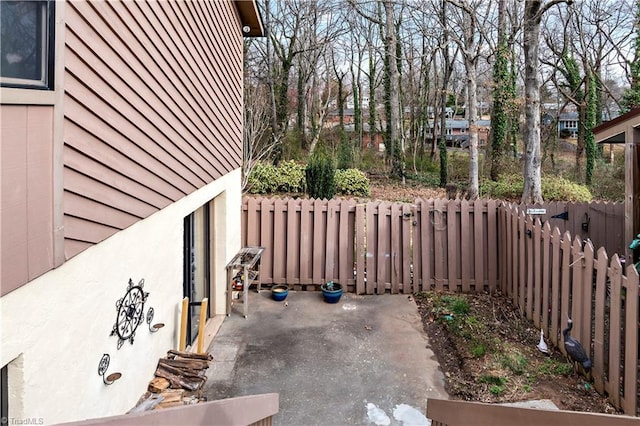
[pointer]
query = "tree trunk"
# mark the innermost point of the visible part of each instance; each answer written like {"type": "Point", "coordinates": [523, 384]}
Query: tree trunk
{"type": "Point", "coordinates": [472, 114]}
{"type": "Point", "coordinates": [394, 97]}
{"type": "Point", "coordinates": [532, 192]}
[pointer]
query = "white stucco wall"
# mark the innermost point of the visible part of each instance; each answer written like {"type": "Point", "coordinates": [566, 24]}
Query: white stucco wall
{"type": "Point", "coordinates": [58, 326]}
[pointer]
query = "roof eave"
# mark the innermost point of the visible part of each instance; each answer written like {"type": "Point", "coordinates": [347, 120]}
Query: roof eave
{"type": "Point", "coordinates": [250, 18]}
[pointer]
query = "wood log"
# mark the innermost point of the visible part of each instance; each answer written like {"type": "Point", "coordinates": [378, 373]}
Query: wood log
{"type": "Point", "coordinates": [158, 384]}
{"type": "Point", "coordinates": [179, 371]}
{"type": "Point", "coordinates": [190, 364]}
{"type": "Point", "coordinates": [173, 353]}
{"type": "Point", "coordinates": [172, 395]}
{"type": "Point", "coordinates": [190, 382]}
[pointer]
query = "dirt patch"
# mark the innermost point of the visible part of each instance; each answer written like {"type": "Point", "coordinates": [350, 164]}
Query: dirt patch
{"type": "Point", "coordinates": [487, 352]}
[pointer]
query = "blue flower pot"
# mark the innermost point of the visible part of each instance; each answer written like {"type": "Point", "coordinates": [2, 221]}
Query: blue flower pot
{"type": "Point", "coordinates": [279, 292]}
{"type": "Point", "coordinates": [331, 294]}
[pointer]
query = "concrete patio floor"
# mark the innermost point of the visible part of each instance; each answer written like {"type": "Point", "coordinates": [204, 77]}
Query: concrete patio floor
{"type": "Point", "coordinates": [362, 361]}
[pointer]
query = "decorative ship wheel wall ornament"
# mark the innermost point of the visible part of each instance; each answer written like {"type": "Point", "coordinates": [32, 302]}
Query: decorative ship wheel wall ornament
{"type": "Point", "coordinates": [130, 312]}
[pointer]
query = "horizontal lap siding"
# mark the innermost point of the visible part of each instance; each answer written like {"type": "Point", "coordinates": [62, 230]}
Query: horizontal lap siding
{"type": "Point", "coordinates": [153, 109]}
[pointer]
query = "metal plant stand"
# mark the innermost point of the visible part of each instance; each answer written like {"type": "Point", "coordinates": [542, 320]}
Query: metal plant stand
{"type": "Point", "coordinates": [245, 265]}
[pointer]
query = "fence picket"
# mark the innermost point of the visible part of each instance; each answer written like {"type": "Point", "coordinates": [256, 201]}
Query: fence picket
{"type": "Point", "coordinates": [266, 240]}
{"type": "Point", "coordinates": [361, 248]}
{"type": "Point", "coordinates": [372, 246]}
{"type": "Point", "coordinates": [537, 271]}
{"type": "Point", "coordinates": [407, 219]}
{"type": "Point", "coordinates": [453, 255]}
{"type": "Point", "coordinates": [587, 293]}
{"type": "Point", "coordinates": [293, 243]}
{"type": "Point", "coordinates": [576, 290]}
{"type": "Point", "coordinates": [546, 275]}
{"type": "Point", "coordinates": [306, 242]}
{"type": "Point", "coordinates": [602, 266]}
{"type": "Point", "coordinates": [556, 274]}
{"type": "Point", "coordinates": [427, 239]}
{"type": "Point", "coordinates": [528, 241]}
{"type": "Point", "coordinates": [478, 250]}
{"type": "Point", "coordinates": [630, 402]}
{"type": "Point", "coordinates": [395, 254]}
{"type": "Point", "coordinates": [493, 248]}
{"type": "Point", "coordinates": [522, 267]}
{"type": "Point", "coordinates": [439, 225]}
{"type": "Point", "coordinates": [614, 330]}
{"type": "Point", "coordinates": [319, 235]}
{"type": "Point", "coordinates": [465, 247]}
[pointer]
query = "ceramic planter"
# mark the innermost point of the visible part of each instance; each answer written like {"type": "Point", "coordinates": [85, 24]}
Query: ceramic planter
{"type": "Point", "coordinates": [279, 292]}
{"type": "Point", "coordinates": [331, 292]}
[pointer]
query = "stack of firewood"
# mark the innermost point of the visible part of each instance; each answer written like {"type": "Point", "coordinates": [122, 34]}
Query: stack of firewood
{"type": "Point", "coordinates": [179, 379]}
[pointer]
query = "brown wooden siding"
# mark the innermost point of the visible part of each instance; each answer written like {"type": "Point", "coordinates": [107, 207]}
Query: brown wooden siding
{"type": "Point", "coordinates": [26, 198]}
{"type": "Point", "coordinates": [153, 109]}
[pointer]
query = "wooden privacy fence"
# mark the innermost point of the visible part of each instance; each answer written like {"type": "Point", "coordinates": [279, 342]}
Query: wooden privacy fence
{"type": "Point", "coordinates": [551, 277]}
{"type": "Point", "coordinates": [601, 222]}
{"type": "Point", "coordinates": [375, 247]}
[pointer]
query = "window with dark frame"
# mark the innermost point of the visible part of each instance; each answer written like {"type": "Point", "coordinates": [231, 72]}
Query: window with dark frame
{"type": "Point", "coordinates": [27, 44]}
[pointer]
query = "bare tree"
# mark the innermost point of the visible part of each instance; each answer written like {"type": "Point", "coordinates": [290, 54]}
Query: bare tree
{"type": "Point", "coordinates": [533, 12]}
{"type": "Point", "coordinates": [470, 24]}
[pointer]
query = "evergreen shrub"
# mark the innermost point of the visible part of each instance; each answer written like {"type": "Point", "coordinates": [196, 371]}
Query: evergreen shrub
{"type": "Point", "coordinates": [352, 182]}
{"type": "Point", "coordinates": [320, 174]}
{"type": "Point", "coordinates": [509, 187]}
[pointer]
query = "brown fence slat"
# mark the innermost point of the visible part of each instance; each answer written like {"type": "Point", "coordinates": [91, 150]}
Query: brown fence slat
{"type": "Point", "coordinates": [372, 250]}
{"type": "Point", "coordinates": [345, 248]}
{"type": "Point", "coordinates": [266, 241]}
{"type": "Point", "coordinates": [319, 235]}
{"type": "Point", "coordinates": [602, 266]}
{"type": "Point", "coordinates": [478, 250]}
{"type": "Point", "coordinates": [587, 293]}
{"type": "Point", "coordinates": [361, 249]}
{"type": "Point", "coordinates": [466, 242]}
{"type": "Point", "coordinates": [453, 255]}
{"type": "Point", "coordinates": [407, 219]}
{"type": "Point", "coordinates": [565, 283]}
{"type": "Point", "coordinates": [522, 269]}
{"type": "Point", "coordinates": [440, 224]}
{"type": "Point", "coordinates": [615, 275]}
{"type": "Point", "coordinates": [293, 243]}
{"type": "Point", "coordinates": [427, 242]}
{"type": "Point", "coordinates": [493, 253]}
{"type": "Point", "coordinates": [537, 272]}
{"type": "Point", "coordinates": [576, 290]}
{"type": "Point", "coordinates": [546, 275]}
{"type": "Point", "coordinates": [556, 261]}
{"type": "Point", "coordinates": [384, 247]}
{"type": "Point", "coordinates": [630, 402]}
{"type": "Point", "coordinates": [395, 254]}
{"type": "Point", "coordinates": [528, 241]}
{"type": "Point", "coordinates": [279, 241]}
{"type": "Point", "coordinates": [306, 242]}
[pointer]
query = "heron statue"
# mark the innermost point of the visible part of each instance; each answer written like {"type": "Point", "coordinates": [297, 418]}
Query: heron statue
{"type": "Point", "coordinates": [574, 349]}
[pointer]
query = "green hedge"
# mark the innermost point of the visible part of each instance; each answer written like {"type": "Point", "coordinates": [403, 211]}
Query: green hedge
{"type": "Point", "coordinates": [554, 188]}
{"type": "Point", "coordinates": [265, 178]}
{"type": "Point", "coordinates": [352, 182]}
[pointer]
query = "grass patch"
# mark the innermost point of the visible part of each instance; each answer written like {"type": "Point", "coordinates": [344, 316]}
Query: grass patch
{"type": "Point", "coordinates": [551, 367]}
{"type": "Point", "coordinates": [515, 362]}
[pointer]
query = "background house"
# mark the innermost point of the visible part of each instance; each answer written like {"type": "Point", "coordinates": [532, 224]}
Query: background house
{"type": "Point", "coordinates": [120, 160]}
{"type": "Point", "coordinates": [568, 124]}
